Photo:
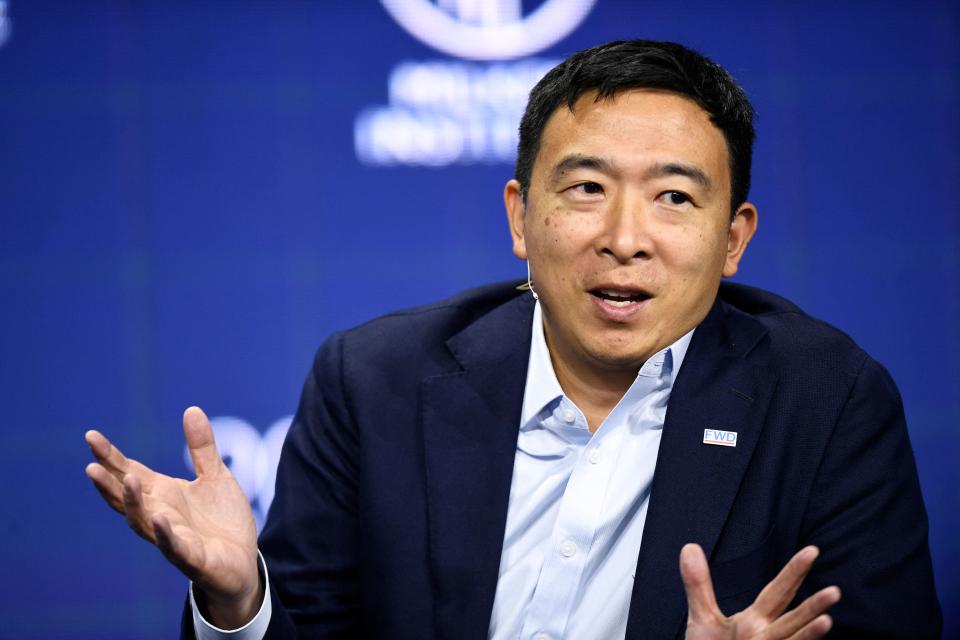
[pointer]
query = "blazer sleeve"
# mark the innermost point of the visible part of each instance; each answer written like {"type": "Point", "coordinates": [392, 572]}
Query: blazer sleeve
{"type": "Point", "coordinates": [311, 538]}
{"type": "Point", "coordinates": [866, 515]}
{"type": "Point", "coordinates": [312, 535]}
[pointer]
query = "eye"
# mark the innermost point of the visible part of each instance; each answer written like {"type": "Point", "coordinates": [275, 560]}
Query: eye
{"type": "Point", "coordinates": [588, 188]}
{"type": "Point", "coordinates": [675, 198]}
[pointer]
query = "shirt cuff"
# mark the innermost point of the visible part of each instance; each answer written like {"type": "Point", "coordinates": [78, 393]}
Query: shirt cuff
{"type": "Point", "coordinates": [253, 630]}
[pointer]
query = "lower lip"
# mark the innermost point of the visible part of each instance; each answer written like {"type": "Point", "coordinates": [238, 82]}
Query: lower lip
{"type": "Point", "coordinates": [618, 313]}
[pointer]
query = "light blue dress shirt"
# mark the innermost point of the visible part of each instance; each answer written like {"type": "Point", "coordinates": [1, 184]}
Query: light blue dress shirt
{"type": "Point", "coordinates": [578, 503]}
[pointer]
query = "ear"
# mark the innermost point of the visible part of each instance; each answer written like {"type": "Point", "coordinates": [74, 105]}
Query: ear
{"type": "Point", "coordinates": [513, 202]}
{"type": "Point", "coordinates": [742, 228]}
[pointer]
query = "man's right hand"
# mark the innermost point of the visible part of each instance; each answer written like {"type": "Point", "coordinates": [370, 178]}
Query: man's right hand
{"type": "Point", "coordinates": [205, 527]}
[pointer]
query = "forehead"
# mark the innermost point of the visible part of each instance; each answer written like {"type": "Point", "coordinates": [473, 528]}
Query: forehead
{"type": "Point", "coordinates": [633, 129]}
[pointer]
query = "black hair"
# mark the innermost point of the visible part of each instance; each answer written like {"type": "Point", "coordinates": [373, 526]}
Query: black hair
{"type": "Point", "coordinates": [643, 64]}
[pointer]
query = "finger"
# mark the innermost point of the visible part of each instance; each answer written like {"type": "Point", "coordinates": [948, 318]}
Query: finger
{"type": "Point", "coordinates": [116, 464]}
{"type": "Point", "coordinates": [106, 454]}
{"type": "Point", "coordinates": [701, 601]}
{"type": "Point", "coordinates": [809, 611]}
{"type": "Point", "coordinates": [109, 487]}
{"type": "Point", "coordinates": [817, 628]}
{"type": "Point", "coordinates": [173, 547]}
{"type": "Point", "coordinates": [200, 442]}
{"type": "Point", "coordinates": [780, 591]}
{"type": "Point", "coordinates": [134, 509]}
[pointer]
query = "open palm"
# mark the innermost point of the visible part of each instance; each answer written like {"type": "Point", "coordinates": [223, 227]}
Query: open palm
{"type": "Point", "coordinates": [204, 527]}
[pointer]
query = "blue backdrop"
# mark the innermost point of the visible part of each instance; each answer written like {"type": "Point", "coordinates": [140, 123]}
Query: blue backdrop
{"type": "Point", "coordinates": [194, 194]}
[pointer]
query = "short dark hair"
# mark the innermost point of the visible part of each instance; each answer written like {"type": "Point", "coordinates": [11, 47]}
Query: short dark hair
{"type": "Point", "coordinates": [643, 64]}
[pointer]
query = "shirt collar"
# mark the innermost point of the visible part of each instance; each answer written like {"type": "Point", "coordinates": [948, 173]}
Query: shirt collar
{"type": "Point", "coordinates": [542, 386]}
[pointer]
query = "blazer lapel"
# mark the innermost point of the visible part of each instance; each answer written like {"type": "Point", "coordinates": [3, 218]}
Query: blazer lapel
{"type": "Point", "coordinates": [470, 423]}
{"type": "Point", "coordinates": [694, 484]}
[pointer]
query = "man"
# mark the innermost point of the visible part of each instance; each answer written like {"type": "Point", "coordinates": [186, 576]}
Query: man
{"type": "Point", "coordinates": [503, 464]}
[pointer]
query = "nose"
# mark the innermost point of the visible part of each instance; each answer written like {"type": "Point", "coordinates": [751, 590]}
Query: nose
{"type": "Point", "coordinates": [626, 233]}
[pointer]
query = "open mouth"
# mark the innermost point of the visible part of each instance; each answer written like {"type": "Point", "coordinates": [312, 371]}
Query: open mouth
{"type": "Point", "coordinates": [619, 298]}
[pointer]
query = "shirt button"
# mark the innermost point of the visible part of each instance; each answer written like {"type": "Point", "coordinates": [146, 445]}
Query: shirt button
{"type": "Point", "coordinates": [569, 416]}
{"type": "Point", "coordinates": [541, 636]}
{"type": "Point", "coordinates": [567, 549]}
{"type": "Point", "coordinates": [594, 456]}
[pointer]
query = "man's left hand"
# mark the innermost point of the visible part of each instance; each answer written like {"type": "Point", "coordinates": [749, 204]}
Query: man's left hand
{"type": "Point", "coordinates": [765, 618]}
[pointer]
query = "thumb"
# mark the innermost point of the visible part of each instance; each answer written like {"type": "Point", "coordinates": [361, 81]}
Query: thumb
{"type": "Point", "coordinates": [200, 442]}
{"type": "Point", "coordinates": [701, 601]}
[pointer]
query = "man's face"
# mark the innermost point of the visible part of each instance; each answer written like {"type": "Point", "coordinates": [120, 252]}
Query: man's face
{"type": "Point", "coordinates": [627, 227]}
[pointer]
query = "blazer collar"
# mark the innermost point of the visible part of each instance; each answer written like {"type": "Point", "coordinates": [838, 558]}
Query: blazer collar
{"type": "Point", "coordinates": [470, 420]}
{"type": "Point", "coordinates": [694, 483]}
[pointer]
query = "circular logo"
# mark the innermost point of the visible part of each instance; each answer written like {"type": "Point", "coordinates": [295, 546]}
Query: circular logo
{"type": "Point", "coordinates": [488, 29]}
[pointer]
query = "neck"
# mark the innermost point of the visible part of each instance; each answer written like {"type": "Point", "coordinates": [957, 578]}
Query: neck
{"type": "Point", "coordinates": [596, 392]}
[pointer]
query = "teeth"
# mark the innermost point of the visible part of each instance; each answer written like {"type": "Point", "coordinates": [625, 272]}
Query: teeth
{"type": "Point", "coordinates": [617, 294]}
{"type": "Point", "coordinates": [620, 303]}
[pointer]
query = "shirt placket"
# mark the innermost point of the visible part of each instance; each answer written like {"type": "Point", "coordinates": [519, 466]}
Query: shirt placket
{"type": "Point", "coordinates": [579, 516]}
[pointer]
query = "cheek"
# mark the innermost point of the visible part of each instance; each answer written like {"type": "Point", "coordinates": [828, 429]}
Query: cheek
{"type": "Point", "coordinates": [559, 233]}
{"type": "Point", "coordinates": [692, 253]}
{"type": "Point", "coordinates": [561, 250]}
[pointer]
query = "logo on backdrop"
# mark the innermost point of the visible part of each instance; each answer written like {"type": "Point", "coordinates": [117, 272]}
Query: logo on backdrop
{"type": "Point", "coordinates": [5, 23]}
{"type": "Point", "coordinates": [252, 458]}
{"type": "Point", "coordinates": [444, 112]}
{"type": "Point", "coordinates": [488, 29]}
{"type": "Point", "coordinates": [448, 112]}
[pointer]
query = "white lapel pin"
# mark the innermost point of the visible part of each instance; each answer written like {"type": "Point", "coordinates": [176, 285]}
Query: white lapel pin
{"type": "Point", "coordinates": [722, 438]}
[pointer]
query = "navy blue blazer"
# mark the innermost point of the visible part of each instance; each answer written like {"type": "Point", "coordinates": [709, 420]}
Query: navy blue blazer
{"type": "Point", "coordinates": [393, 483]}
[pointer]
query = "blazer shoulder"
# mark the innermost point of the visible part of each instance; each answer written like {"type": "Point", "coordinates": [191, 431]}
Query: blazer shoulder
{"type": "Point", "coordinates": [794, 335]}
{"type": "Point", "coordinates": [415, 339]}
{"type": "Point", "coordinates": [439, 320]}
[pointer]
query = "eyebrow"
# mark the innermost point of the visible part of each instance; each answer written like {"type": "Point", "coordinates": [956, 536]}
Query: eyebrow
{"type": "Point", "coordinates": [679, 169]}
{"type": "Point", "coordinates": [580, 161]}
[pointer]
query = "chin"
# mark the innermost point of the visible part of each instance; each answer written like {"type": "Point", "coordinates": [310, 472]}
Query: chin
{"type": "Point", "coordinates": [620, 359]}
